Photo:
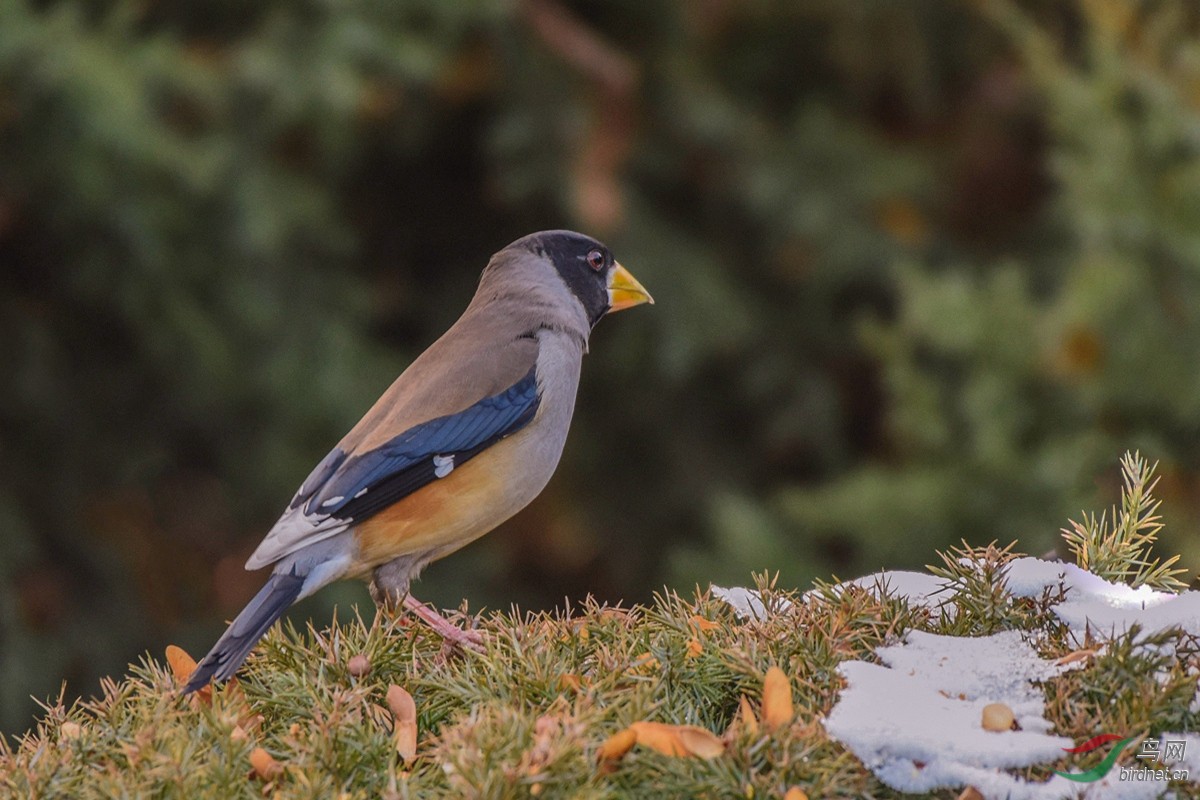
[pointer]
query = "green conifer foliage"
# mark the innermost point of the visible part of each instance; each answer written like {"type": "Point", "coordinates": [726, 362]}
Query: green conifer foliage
{"type": "Point", "coordinates": [921, 269]}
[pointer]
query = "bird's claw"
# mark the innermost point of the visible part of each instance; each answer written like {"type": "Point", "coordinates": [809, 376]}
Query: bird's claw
{"type": "Point", "coordinates": [467, 639]}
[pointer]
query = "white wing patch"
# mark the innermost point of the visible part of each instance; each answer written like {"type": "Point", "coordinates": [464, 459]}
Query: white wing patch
{"type": "Point", "coordinates": [443, 465]}
{"type": "Point", "coordinates": [293, 531]}
{"type": "Point", "coordinates": [296, 530]}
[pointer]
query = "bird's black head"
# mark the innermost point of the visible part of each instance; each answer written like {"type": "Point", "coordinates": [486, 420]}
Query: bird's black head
{"type": "Point", "coordinates": [583, 263]}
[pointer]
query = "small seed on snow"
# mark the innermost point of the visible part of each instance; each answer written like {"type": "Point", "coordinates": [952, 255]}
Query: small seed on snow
{"type": "Point", "coordinates": [998, 717]}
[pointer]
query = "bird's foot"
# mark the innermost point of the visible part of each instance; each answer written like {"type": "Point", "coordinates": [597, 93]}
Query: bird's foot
{"type": "Point", "coordinates": [472, 640]}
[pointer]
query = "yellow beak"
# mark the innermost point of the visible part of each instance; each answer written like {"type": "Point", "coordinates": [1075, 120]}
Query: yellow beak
{"type": "Point", "coordinates": [624, 291]}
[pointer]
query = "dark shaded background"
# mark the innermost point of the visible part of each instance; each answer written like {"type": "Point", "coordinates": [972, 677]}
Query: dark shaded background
{"type": "Point", "coordinates": [924, 270]}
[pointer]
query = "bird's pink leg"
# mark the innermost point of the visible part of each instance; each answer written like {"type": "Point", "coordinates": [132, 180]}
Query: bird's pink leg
{"type": "Point", "coordinates": [448, 630]}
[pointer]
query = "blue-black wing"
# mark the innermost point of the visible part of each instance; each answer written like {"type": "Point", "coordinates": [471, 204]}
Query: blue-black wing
{"type": "Point", "coordinates": [353, 488]}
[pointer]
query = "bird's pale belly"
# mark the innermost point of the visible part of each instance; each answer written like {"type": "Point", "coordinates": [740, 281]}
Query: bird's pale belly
{"type": "Point", "coordinates": [455, 510]}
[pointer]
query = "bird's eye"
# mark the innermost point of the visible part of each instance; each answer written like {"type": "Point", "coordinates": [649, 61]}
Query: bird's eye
{"type": "Point", "coordinates": [595, 260]}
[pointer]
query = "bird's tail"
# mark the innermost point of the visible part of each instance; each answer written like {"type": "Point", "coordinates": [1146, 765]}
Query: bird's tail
{"type": "Point", "coordinates": [256, 618]}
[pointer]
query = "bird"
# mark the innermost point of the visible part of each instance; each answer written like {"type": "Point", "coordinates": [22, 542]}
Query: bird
{"type": "Point", "coordinates": [465, 437]}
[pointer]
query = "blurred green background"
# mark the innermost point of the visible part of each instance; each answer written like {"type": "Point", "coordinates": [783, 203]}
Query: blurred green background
{"type": "Point", "coordinates": [924, 269]}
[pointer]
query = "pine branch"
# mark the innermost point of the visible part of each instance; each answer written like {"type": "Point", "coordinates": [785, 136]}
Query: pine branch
{"type": "Point", "coordinates": [1119, 547]}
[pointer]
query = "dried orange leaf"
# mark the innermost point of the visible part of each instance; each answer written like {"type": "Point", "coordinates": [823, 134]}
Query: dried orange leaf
{"type": "Point", "coordinates": [777, 708]}
{"type": "Point", "coordinates": [694, 648]}
{"type": "Point", "coordinates": [700, 742]}
{"type": "Point", "coordinates": [795, 793]}
{"type": "Point", "coordinates": [749, 720]}
{"type": "Point", "coordinates": [1078, 655]}
{"type": "Point", "coordinates": [569, 681]}
{"type": "Point", "coordinates": [659, 737]}
{"type": "Point", "coordinates": [182, 666]}
{"type": "Point", "coordinates": [678, 740]}
{"type": "Point", "coordinates": [617, 745]}
{"type": "Point", "coordinates": [703, 624]}
{"type": "Point", "coordinates": [970, 793]}
{"type": "Point", "coordinates": [401, 704]}
{"type": "Point", "coordinates": [406, 740]}
{"type": "Point", "coordinates": [265, 765]}
{"type": "Point", "coordinates": [238, 734]}
{"type": "Point", "coordinates": [404, 712]}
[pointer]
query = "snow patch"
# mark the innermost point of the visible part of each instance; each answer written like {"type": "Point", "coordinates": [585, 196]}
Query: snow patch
{"type": "Point", "coordinates": [916, 722]}
{"type": "Point", "coordinates": [1105, 607]}
{"type": "Point", "coordinates": [918, 588]}
{"type": "Point", "coordinates": [748, 603]}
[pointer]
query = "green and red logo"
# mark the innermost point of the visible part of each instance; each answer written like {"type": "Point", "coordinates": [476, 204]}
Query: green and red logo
{"type": "Point", "coordinates": [1104, 767]}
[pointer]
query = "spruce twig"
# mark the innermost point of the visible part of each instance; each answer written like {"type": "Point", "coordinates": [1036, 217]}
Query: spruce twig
{"type": "Point", "coordinates": [1119, 546]}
